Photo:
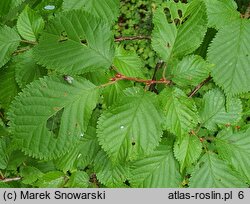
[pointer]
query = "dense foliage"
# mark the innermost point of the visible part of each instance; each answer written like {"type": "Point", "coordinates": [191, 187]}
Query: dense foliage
{"type": "Point", "coordinates": [130, 93]}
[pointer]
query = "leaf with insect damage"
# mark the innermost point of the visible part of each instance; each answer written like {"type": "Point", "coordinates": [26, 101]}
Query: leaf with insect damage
{"type": "Point", "coordinates": [76, 42]}
{"type": "Point", "coordinates": [49, 116]}
{"type": "Point", "coordinates": [170, 40]}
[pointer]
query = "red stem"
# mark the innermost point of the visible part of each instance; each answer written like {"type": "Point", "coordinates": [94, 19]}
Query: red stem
{"type": "Point", "coordinates": [140, 37]}
{"type": "Point", "coordinates": [148, 82]}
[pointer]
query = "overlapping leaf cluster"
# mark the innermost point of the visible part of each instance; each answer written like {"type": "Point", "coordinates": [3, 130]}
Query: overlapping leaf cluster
{"type": "Point", "coordinates": [63, 124]}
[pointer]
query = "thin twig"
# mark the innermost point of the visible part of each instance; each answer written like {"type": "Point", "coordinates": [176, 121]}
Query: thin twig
{"type": "Point", "coordinates": [5, 180]}
{"type": "Point", "coordinates": [148, 82]}
{"type": "Point", "coordinates": [140, 37]}
{"type": "Point", "coordinates": [1, 115]}
{"type": "Point", "coordinates": [157, 67]}
{"type": "Point", "coordinates": [29, 42]}
{"type": "Point", "coordinates": [21, 50]}
{"type": "Point", "coordinates": [113, 67]}
{"type": "Point", "coordinates": [109, 83]}
{"type": "Point", "coordinates": [198, 87]}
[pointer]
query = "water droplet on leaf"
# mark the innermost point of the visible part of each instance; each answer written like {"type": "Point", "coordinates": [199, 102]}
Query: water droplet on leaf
{"type": "Point", "coordinates": [49, 7]}
{"type": "Point", "coordinates": [122, 127]}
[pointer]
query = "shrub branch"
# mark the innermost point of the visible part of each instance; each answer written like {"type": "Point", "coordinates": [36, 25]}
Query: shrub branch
{"type": "Point", "coordinates": [147, 82]}
{"type": "Point", "coordinates": [140, 37]}
{"type": "Point", "coordinates": [29, 42]}
{"type": "Point", "coordinates": [198, 87]}
{"type": "Point", "coordinates": [5, 180]}
{"type": "Point", "coordinates": [158, 66]}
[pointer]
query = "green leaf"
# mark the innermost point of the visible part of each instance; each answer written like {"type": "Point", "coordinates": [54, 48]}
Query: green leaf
{"type": "Point", "coordinates": [97, 77]}
{"type": "Point", "coordinates": [175, 9]}
{"type": "Point", "coordinates": [30, 174]}
{"type": "Point", "coordinates": [158, 170]}
{"type": "Point", "coordinates": [9, 87]}
{"type": "Point", "coordinates": [3, 128]}
{"type": "Point", "coordinates": [105, 9]}
{"type": "Point", "coordinates": [39, 117]}
{"type": "Point", "coordinates": [45, 166]}
{"type": "Point", "coordinates": [29, 24]}
{"type": "Point", "coordinates": [191, 70]}
{"type": "Point", "coordinates": [221, 12]}
{"type": "Point", "coordinates": [4, 156]}
{"type": "Point", "coordinates": [4, 185]}
{"type": "Point", "coordinates": [67, 162]}
{"type": "Point", "coordinates": [76, 42]}
{"type": "Point", "coordinates": [112, 93]}
{"type": "Point", "coordinates": [109, 174]}
{"type": "Point", "coordinates": [5, 7]}
{"type": "Point", "coordinates": [202, 50]}
{"type": "Point", "coordinates": [53, 179]}
{"type": "Point", "coordinates": [163, 35]}
{"type": "Point", "coordinates": [187, 150]}
{"type": "Point", "coordinates": [78, 179]}
{"type": "Point", "coordinates": [81, 155]}
{"type": "Point", "coordinates": [131, 127]}
{"type": "Point", "coordinates": [128, 63]}
{"type": "Point", "coordinates": [231, 44]}
{"type": "Point", "coordinates": [235, 148]}
{"type": "Point", "coordinates": [180, 111]}
{"type": "Point", "coordinates": [89, 148]}
{"type": "Point", "coordinates": [169, 41]}
{"type": "Point", "coordinates": [16, 2]}
{"type": "Point", "coordinates": [9, 41]}
{"type": "Point", "coordinates": [214, 112]}
{"type": "Point", "coordinates": [211, 172]}
{"type": "Point", "coordinates": [16, 159]}
{"type": "Point", "coordinates": [9, 10]}
{"type": "Point", "coordinates": [26, 69]}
